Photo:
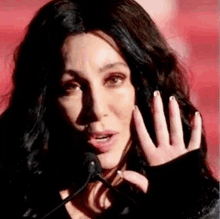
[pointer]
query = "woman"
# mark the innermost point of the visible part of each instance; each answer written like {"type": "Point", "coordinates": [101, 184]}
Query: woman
{"type": "Point", "coordinates": [97, 76]}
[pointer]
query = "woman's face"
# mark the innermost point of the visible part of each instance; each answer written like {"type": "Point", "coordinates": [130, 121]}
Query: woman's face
{"type": "Point", "coordinates": [97, 96]}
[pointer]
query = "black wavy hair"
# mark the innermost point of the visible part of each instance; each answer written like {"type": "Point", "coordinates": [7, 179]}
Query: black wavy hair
{"type": "Point", "coordinates": [26, 124]}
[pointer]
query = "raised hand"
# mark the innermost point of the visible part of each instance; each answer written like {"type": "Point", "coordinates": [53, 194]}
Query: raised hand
{"type": "Point", "coordinates": [169, 145]}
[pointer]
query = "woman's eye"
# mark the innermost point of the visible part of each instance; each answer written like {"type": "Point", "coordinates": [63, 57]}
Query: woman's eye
{"type": "Point", "coordinates": [71, 88]}
{"type": "Point", "coordinates": [116, 80]}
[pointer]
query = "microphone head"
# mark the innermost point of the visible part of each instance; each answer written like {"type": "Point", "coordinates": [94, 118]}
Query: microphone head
{"type": "Point", "coordinates": [91, 165]}
{"type": "Point", "coordinates": [75, 169]}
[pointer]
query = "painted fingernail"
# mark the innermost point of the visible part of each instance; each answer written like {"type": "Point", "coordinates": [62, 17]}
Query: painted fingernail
{"type": "Point", "coordinates": [172, 98]}
{"type": "Point", "coordinates": [195, 119]}
{"type": "Point", "coordinates": [120, 173]}
{"type": "Point", "coordinates": [156, 93]}
{"type": "Point", "coordinates": [197, 113]}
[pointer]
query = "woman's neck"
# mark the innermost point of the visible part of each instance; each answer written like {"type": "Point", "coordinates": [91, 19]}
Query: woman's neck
{"type": "Point", "coordinates": [94, 200]}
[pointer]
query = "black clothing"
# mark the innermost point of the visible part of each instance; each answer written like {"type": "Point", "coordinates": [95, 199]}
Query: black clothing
{"type": "Point", "coordinates": [177, 189]}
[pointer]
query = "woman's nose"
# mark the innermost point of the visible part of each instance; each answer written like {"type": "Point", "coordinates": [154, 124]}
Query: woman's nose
{"type": "Point", "coordinates": [96, 102]}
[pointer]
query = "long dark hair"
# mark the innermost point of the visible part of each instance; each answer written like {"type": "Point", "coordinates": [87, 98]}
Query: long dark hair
{"type": "Point", "coordinates": [25, 125]}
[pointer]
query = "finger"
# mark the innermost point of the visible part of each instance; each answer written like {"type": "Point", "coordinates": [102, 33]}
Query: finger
{"type": "Point", "coordinates": [195, 139]}
{"type": "Point", "coordinates": [176, 130]}
{"type": "Point", "coordinates": [142, 133]}
{"type": "Point", "coordinates": [135, 178]}
{"type": "Point", "coordinates": [160, 124]}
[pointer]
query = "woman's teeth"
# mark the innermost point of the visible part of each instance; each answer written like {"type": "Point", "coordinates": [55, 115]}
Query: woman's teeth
{"type": "Point", "coordinates": [102, 138]}
{"type": "Point", "coordinates": [102, 142]}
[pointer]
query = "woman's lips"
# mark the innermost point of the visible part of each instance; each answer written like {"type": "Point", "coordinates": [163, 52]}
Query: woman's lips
{"type": "Point", "coordinates": [102, 141]}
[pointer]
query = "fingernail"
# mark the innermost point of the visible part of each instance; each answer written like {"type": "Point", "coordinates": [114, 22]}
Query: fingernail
{"type": "Point", "coordinates": [196, 116]}
{"type": "Point", "coordinates": [156, 93]}
{"type": "Point", "coordinates": [172, 98]}
{"type": "Point", "coordinates": [120, 173]}
{"type": "Point", "coordinates": [197, 113]}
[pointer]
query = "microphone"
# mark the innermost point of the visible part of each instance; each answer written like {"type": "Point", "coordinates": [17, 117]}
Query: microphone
{"type": "Point", "coordinates": [91, 165]}
{"type": "Point", "coordinates": [91, 168]}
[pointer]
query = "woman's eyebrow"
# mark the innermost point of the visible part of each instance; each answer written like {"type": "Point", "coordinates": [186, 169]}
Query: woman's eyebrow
{"type": "Point", "coordinates": [113, 65]}
{"type": "Point", "coordinates": [71, 72]}
{"type": "Point", "coordinates": [76, 73]}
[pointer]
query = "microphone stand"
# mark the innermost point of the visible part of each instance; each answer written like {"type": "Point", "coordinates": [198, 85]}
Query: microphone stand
{"type": "Point", "coordinates": [69, 198]}
{"type": "Point", "coordinates": [92, 167]}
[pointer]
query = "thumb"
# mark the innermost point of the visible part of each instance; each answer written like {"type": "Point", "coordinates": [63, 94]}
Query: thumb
{"type": "Point", "coordinates": [135, 178]}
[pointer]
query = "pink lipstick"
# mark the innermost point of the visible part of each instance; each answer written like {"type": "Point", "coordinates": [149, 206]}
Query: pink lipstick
{"type": "Point", "coordinates": [102, 141]}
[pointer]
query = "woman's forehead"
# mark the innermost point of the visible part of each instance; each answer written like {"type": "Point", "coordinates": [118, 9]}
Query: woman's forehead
{"type": "Point", "coordinates": [96, 49]}
{"type": "Point", "coordinates": [108, 39]}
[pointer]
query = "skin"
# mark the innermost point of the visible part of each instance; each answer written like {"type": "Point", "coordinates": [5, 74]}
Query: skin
{"type": "Point", "coordinates": [98, 93]}
{"type": "Point", "coordinates": [170, 145]}
{"type": "Point", "coordinates": [111, 105]}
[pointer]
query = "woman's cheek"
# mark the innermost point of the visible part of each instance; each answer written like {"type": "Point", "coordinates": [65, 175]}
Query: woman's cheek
{"type": "Point", "coordinates": [69, 109]}
{"type": "Point", "coordinates": [124, 101]}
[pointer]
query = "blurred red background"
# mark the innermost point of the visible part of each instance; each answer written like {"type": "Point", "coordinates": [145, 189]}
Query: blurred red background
{"type": "Point", "coordinates": [191, 28]}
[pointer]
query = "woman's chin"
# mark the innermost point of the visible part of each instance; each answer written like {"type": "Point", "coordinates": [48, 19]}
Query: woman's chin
{"type": "Point", "coordinates": [108, 161]}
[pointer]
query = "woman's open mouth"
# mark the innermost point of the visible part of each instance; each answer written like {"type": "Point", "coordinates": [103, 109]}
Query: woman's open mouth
{"type": "Point", "coordinates": [102, 141]}
{"type": "Point", "coordinates": [103, 138]}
